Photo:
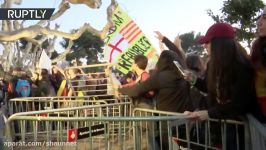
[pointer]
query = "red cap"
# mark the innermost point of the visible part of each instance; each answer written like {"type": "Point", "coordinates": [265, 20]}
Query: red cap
{"type": "Point", "coordinates": [216, 31]}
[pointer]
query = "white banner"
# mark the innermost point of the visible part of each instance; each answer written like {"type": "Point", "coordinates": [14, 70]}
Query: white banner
{"type": "Point", "coordinates": [45, 62]}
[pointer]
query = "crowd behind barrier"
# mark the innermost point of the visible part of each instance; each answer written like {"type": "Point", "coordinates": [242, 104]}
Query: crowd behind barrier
{"type": "Point", "coordinates": [80, 104]}
{"type": "Point", "coordinates": [44, 119]}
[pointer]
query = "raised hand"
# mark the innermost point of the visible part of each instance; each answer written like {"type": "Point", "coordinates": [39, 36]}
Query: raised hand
{"type": "Point", "coordinates": [178, 42]}
{"type": "Point", "coordinates": [158, 35]}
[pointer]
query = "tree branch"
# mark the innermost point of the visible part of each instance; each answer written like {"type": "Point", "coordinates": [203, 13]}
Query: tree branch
{"type": "Point", "coordinates": [34, 30]}
{"type": "Point", "coordinates": [90, 3]}
{"type": "Point", "coordinates": [110, 10]}
{"type": "Point", "coordinates": [63, 8]}
{"type": "Point", "coordinates": [63, 55]}
{"type": "Point", "coordinates": [14, 30]}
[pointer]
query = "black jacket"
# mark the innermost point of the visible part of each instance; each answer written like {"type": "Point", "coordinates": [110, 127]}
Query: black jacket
{"type": "Point", "coordinates": [242, 100]}
{"type": "Point", "coordinates": [172, 91]}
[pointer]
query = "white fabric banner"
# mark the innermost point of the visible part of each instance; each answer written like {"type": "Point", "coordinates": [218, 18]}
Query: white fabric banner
{"type": "Point", "coordinates": [45, 62]}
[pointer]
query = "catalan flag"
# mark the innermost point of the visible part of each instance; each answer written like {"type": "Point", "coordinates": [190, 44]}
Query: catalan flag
{"type": "Point", "coordinates": [63, 89]}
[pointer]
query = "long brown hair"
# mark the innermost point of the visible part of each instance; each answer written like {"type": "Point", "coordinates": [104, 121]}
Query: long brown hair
{"type": "Point", "coordinates": [258, 53]}
{"type": "Point", "coordinates": [226, 57]}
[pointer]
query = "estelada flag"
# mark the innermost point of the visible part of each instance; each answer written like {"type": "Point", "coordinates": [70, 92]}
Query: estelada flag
{"type": "Point", "coordinates": [63, 89]}
{"type": "Point", "coordinates": [125, 41]}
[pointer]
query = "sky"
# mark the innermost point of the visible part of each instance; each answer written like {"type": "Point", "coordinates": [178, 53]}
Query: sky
{"type": "Point", "coordinates": [170, 17]}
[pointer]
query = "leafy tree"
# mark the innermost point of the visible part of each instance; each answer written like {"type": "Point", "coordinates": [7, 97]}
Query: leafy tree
{"type": "Point", "coordinates": [242, 14]}
{"type": "Point", "coordinates": [87, 46]}
{"type": "Point", "coordinates": [189, 44]}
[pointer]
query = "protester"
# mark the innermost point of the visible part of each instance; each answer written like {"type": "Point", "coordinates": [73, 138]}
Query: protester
{"type": "Point", "coordinates": [3, 91]}
{"type": "Point", "coordinates": [34, 83]}
{"type": "Point", "coordinates": [170, 87]}
{"type": "Point", "coordinates": [258, 58]}
{"type": "Point", "coordinates": [76, 80]}
{"type": "Point", "coordinates": [146, 99]}
{"type": "Point", "coordinates": [229, 82]}
{"type": "Point", "coordinates": [99, 82]}
{"type": "Point", "coordinates": [197, 66]}
{"type": "Point", "coordinates": [18, 74]}
{"type": "Point", "coordinates": [171, 90]}
{"type": "Point", "coordinates": [128, 78]}
{"type": "Point", "coordinates": [143, 100]}
{"type": "Point", "coordinates": [44, 87]}
{"type": "Point", "coordinates": [56, 77]}
{"type": "Point", "coordinates": [230, 79]}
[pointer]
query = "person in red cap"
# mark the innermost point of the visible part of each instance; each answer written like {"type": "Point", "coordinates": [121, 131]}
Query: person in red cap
{"type": "Point", "coordinates": [229, 80]}
{"type": "Point", "coordinates": [258, 58]}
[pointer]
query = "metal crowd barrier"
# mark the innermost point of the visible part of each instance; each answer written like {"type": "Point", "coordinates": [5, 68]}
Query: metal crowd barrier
{"type": "Point", "coordinates": [34, 126]}
{"type": "Point", "coordinates": [144, 129]}
{"type": "Point", "coordinates": [186, 134]}
{"type": "Point", "coordinates": [25, 104]}
{"type": "Point", "coordinates": [257, 132]}
{"type": "Point", "coordinates": [93, 80]}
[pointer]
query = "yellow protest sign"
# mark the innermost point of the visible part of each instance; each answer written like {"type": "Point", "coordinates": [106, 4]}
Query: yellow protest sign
{"type": "Point", "coordinates": [124, 41]}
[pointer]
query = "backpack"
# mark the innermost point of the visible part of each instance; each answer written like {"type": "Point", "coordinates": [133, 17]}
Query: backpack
{"type": "Point", "coordinates": [23, 88]}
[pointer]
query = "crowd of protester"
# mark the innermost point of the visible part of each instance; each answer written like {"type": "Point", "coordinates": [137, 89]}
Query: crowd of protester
{"type": "Point", "coordinates": [226, 85]}
{"type": "Point", "coordinates": [48, 83]}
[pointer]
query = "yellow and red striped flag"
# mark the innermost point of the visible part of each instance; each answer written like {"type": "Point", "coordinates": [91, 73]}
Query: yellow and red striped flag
{"type": "Point", "coordinates": [130, 31]}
